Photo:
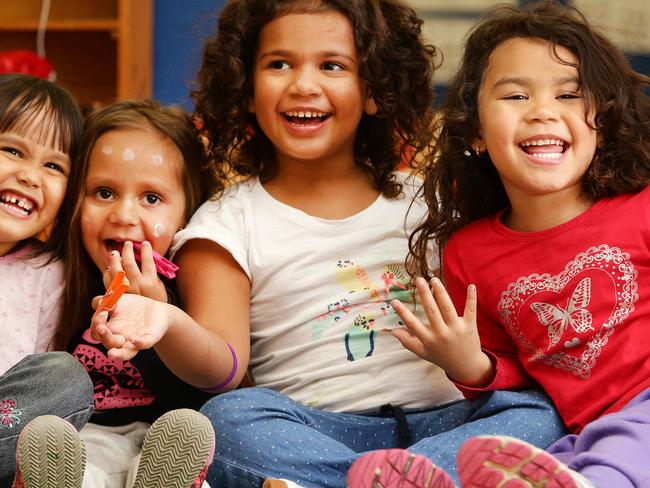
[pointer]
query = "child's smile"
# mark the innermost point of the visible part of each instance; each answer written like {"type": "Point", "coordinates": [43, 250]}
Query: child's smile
{"type": "Point", "coordinates": [133, 193]}
{"type": "Point", "coordinates": [308, 95]}
{"type": "Point", "coordinates": [533, 120]}
{"type": "Point", "coordinates": [33, 179]}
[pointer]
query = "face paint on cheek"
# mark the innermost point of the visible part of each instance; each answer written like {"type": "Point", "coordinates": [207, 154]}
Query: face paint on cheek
{"type": "Point", "coordinates": [157, 160]}
{"type": "Point", "coordinates": [107, 150]}
{"type": "Point", "coordinates": [128, 154]}
{"type": "Point", "coordinates": [158, 229]}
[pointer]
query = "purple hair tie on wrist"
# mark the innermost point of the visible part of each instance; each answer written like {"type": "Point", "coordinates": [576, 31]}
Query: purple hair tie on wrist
{"type": "Point", "coordinates": [230, 376]}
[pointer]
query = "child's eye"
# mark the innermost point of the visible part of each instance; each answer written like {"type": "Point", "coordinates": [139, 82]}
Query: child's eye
{"type": "Point", "coordinates": [279, 64]}
{"type": "Point", "coordinates": [330, 66]}
{"type": "Point", "coordinates": [569, 96]}
{"type": "Point", "coordinates": [103, 193]}
{"type": "Point", "coordinates": [152, 198]}
{"type": "Point", "coordinates": [55, 167]}
{"type": "Point", "coordinates": [12, 150]}
{"type": "Point", "coordinates": [515, 97]}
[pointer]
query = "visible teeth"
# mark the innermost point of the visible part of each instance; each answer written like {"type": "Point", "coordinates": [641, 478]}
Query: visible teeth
{"type": "Point", "coordinates": [20, 202]}
{"type": "Point", "coordinates": [547, 155]}
{"type": "Point", "coordinates": [5, 204]}
{"type": "Point", "coordinates": [307, 115]}
{"type": "Point", "coordinates": [543, 142]}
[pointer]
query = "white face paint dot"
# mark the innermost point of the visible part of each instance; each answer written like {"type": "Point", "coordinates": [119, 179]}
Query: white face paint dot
{"type": "Point", "coordinates": [128, 154]}
{"type": "Point", "coordinates": [158, 229]}
{"type": "Point", "coordinates": [157, 159]}
{"type": "Point", "coordinates": [107, 149]}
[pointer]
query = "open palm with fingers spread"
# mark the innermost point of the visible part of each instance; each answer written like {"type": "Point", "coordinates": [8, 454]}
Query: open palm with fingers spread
{"type": "Point", "coordinates": [449, 341]}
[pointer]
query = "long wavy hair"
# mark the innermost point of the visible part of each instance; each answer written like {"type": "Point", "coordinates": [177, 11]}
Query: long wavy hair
{"type": "Point", "coordinates": [199, 182]}
{"type": "Point", "coordinates": [395, 64]}
{"type": "Point", "coordinates": [460, 189]}
{"type": "Point", "coordinates": [22, 98]}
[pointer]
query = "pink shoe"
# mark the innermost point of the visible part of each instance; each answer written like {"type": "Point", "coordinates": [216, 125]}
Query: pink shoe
{"type": "Point", "coordinates": [176, 451]}
{"type": "Point", "coordinates": [396, 468]}
{"type": "Point", "coordinates": [506, 462]}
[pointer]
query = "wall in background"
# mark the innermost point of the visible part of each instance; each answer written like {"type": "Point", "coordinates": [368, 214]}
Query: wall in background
{"type": "Point", "coordinates": [180, 29]}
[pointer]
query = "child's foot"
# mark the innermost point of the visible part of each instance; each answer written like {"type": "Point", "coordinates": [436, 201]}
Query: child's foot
{"type": "Point", "coordinates": [50, 454]}
{"type": "Point", "coordinates": [500, 461]}
{"type": "Point", "coordinates": [393, 468]}
{"type": "Point", "coordinates": [176, 452]}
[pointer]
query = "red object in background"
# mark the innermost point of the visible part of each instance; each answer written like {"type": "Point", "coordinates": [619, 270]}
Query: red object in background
{"type": "Point", "coordinates": [26, 62]}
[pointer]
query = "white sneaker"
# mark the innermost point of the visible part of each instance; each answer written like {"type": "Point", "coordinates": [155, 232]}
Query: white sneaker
{"type": "Point", "coordinates": [491, 461]}
{"type": "Point", "coordinates": [49, 454]}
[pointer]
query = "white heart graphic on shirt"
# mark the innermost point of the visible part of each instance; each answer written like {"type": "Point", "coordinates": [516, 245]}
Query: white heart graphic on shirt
{"type": "Point", "coordinates": [552, 306]}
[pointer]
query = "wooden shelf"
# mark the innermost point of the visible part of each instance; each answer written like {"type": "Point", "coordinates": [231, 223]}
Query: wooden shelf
{"type": "Point", "coordinates": [101, 50]}
{"type": "Point", "coordinates": [63, 25]}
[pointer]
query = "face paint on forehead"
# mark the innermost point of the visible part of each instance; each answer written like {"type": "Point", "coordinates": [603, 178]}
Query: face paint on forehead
{"type": "Point", "coordinates": [106, 149]}
{"type": "Point", "coordinates": [128, 154]}
{"type": "Point", "coordinates": [157, 159]}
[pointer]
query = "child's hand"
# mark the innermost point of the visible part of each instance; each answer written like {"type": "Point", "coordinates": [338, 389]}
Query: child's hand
{"type": "Point", "coordinates": [143, 279]}
{"type": "Point", "coordinates": [135, 323]}
{"type": "Point", "coordinates": [450, 341]}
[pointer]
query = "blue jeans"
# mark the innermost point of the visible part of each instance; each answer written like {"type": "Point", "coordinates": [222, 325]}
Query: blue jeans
{"type": "Point", "coordinates": [261, 433]}
{"type": "Point", "coordinates": [51, 383]}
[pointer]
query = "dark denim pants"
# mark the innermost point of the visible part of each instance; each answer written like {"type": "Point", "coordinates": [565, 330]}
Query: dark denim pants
{"type": "Point", "coordinates": [51, 383]}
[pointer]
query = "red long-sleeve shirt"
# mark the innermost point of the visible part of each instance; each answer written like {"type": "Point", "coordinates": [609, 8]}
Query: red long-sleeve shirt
{"type": "Point", "coordinates": [566, 307]}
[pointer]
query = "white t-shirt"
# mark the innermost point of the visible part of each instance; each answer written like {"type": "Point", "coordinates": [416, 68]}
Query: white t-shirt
{"type": "Point", "coordinates": [319, 298]}
{"type": "Point", "coordinates": [30, 305]}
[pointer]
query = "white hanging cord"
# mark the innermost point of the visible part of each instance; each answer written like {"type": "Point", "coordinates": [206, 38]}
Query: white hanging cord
{"type": "Point", "coordinates": [42, 25]}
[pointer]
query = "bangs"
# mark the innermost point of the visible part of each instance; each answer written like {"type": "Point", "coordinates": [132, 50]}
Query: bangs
{"type": "Point", "coordinates": [42, 119]}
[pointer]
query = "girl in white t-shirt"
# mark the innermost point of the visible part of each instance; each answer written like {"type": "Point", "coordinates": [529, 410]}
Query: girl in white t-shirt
{"type": "Point", "coordinates": [39, 127]}
{"type": "Point", "coordinates": [290, 272]}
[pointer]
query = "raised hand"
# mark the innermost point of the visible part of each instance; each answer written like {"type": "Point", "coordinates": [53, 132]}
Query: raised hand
{"type": "Point", "coordinates": [135, 323]}
{"type": "Point", "coordinates": [450, 341]}
{"type": "Point", "coordinates": [143, 278]}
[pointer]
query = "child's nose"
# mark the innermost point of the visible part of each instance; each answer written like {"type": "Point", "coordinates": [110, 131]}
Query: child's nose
{"type": "Point", "coordinates": [306, 83]}
{"type": "Point", "coordinates": [542, 111]}
{"type": "Point", "coordinates": [123, 212]}
{"type": "Point", "coordinates": [29, 176]}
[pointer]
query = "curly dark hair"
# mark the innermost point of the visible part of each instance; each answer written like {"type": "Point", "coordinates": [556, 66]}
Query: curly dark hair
{"type": "Point", "coordinates": [198, 179]}
{"type": "Point", "coordinates": [395, 65]}
{"type": "Point", "coordinates": [461, 189]}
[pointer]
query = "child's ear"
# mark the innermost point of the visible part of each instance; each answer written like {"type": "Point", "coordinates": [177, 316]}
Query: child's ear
{"type": "Point", "coordinates": [478, 145]}
{"type": "Point", "coordinates": [370, 107]}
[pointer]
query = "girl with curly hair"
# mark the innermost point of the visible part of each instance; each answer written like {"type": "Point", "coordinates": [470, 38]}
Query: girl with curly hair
{"type": "Point", "coordinates": [540, 199]}
{"type": "Point", "coordinates": [310, 104]}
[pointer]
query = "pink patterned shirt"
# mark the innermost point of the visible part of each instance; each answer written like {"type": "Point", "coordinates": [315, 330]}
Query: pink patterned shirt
{"type": "Point", "coordinates": [30, 304]}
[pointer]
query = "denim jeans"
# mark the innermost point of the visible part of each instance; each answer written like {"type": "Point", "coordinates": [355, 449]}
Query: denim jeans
{"type": "Point", "coordinates": [51, 383]}
{"type": "Point", "coordinates": [261, 433]}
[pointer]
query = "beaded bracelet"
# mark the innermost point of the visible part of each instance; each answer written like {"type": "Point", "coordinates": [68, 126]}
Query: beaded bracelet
{"type": "Point", "coordinates": [229, 378]}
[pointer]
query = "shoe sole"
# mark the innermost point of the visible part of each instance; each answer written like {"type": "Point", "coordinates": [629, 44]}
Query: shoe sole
{"type": "Point", "coordinates": [176, 448]}
{"type": "Point", "coordinates": [51, 454]}
{"type": "Point", "coordinates": [506, 462]}
{"type": "Point", "coordinates": [396, 468]}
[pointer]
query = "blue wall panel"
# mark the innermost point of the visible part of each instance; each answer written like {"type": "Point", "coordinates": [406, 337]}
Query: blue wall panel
{"type": "Point", "coordinates": [180, 29]}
